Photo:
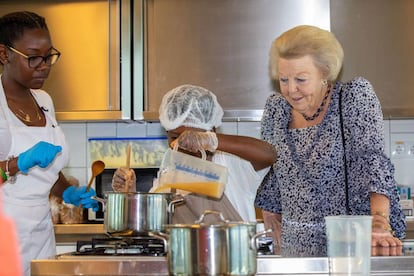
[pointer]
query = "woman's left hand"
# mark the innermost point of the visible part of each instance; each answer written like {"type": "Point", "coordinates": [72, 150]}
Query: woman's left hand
{"type": "Point", "coordinates": [195, 141]}
{"type": "Point", "coordinates": [383, 243]}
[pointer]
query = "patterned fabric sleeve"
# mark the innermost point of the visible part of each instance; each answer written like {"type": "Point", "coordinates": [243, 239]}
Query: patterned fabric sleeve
{"type": "Point", "coordinates": [368, 164]}
{"type": "Point", "coordinates": [268, 194]}
{"type": "Point", "coordinates": [267, 197]}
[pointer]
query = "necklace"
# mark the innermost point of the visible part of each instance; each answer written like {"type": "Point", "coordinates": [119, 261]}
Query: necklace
{"type": "Point", "coordinates": [26, 117]}
{"type": "Point", "coordinates": [314, 116]}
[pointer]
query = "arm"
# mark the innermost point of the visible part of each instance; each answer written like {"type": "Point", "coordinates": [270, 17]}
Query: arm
{"type": "Point", "coordinates": [60, 185]}
{"type": "Point", "coordinates": [260, 153]}
{"type": "Point", "coordinates": [274, 221]}
{"type": "Point", "coordinates": [371, 171]}
{"type": "Point", "coordinates": [382, 233]}
{"type": "Point", "coordinates": [41, 155]}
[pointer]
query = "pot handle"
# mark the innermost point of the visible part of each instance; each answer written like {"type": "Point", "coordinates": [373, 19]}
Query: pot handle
{"type": "Point", "coordinates": [178, 200]}
{"type": "Point", "coordinates": [101, 200]}
{"type": "Point", "coordinates": [202, 151]}
{"type": "Point", "coordinates": [253, 244]}
{"type": "Point", "coordinates": [161, 236]}
{"type": "Point", "coordinates": [211, 212]}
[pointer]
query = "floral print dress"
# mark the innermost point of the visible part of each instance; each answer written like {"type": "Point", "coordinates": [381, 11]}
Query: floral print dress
{"type": "Point", "coordinates": [307, 182]}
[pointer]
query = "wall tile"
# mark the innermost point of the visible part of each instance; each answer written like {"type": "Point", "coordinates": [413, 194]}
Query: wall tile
{"type": "Point", "coordinates": [101, 130]}
{"type": "Point", "coordinates": [154, 129]}
{"type": "Point", "coordinates": [403, 126]}
{"type": "Point", "coordinates": [228, 128]}
{"type": "Point", "coordinates": [131, 129]}
{"type": "Point", "coordinates": [81, 174]}
{"type": "Point", "coordinates": [75, 134]}
{"type": "Point", "coordinates": [251, 129]}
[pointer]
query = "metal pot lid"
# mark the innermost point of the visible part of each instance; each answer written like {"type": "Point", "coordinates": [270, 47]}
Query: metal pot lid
{"type": "Point", "coordinates": [222, 222]}
{"type": "Point", "coordinates": [138, 193]}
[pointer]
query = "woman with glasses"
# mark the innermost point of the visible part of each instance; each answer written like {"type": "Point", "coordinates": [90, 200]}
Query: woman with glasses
{"type": "Point", "coordinates": [32, 147]}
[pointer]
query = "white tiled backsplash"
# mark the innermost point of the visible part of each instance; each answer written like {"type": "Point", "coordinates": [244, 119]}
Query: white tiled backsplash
{"type": "Point", "coordinates": [401, 144]}
{"type": "Point", "coordinates": [399, 136]}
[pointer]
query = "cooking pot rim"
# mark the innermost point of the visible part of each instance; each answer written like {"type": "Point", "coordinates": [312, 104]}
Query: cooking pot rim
{"type": "Point", "coordinates": [195, 226]}
{"type": "Point", "coordinates": [228, 224]}
{"type": "Point", "coordinates": [241, 223]}
{"type": "Point", "coordinates": [143, 193]}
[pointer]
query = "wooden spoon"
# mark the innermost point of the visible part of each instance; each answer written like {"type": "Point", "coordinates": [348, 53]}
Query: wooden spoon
{"type": "Point", "coordinates": [128, 163]}
{"type": "Point", "coordinates": [98, 167]}
{"type": "Point", "coordinates": [128, 157]}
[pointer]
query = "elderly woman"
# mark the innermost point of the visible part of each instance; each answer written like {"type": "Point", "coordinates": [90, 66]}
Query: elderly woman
{"type": "Point", "coordinates": [329, 138]}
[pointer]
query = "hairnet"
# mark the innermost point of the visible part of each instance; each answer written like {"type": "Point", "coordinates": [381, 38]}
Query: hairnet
{"type": "Point", "coordinates": [190, 106]}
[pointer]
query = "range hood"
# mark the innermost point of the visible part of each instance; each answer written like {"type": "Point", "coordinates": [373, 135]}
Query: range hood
{"type": "Point", "coordinates": [378, 42]}
{"type": "Point", "coordinates": [222, 45]}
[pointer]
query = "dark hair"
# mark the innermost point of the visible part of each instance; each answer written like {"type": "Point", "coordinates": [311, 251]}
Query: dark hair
{"type": "Point", "coordinates": [13, 25]}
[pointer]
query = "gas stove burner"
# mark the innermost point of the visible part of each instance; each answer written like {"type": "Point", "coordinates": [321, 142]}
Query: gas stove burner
{"type": "Point", "coordinates": [137, 246]}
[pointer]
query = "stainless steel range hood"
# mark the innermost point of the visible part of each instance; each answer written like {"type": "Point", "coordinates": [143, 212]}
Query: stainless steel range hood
{"type": "Point", "coordinates": [378, 42]}
{"type": "Point", "coordinates": [222, 45]}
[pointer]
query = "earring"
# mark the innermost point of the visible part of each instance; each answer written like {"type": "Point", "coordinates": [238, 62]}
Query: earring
{"type": "Point", "coordinates": [324, 82]}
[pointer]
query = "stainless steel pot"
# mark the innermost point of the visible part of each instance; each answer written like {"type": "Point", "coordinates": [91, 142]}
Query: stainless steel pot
{"type": "Point", "coordinates": [225, 248]}
{"type": "Point", "coordinates": [135, 214]}
{"type": "Point", "coordinates": [197, 249]}
{"type": "Point", "coordinates": [242, 240]}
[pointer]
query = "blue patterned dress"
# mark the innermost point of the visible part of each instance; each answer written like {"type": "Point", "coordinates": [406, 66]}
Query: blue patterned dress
{"type": "Point", "coordinates": [307, 182]}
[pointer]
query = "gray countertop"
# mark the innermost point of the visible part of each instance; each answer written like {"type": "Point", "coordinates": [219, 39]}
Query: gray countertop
{"type": "Point", "coordinates": [266, 265]}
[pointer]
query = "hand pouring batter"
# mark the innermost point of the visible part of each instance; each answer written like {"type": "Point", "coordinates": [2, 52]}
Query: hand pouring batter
{"type": "Point", "coordinates": [185, 172]}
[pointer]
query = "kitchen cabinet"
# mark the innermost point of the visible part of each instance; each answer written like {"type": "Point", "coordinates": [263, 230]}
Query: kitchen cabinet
{"type": "Point", "coordinates": [92, 79]}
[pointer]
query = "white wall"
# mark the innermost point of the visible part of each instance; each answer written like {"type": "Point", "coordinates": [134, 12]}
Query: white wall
{"type": "Point", "coordinates": [401, 150]}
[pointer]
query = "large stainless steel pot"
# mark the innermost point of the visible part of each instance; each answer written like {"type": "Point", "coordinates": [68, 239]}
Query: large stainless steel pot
{"type": "Point", "coordinates": [225, 248]}
{"type": "Point", "coordinates": [242, 242]}
{"type": "Point", "coordinates": [135, 214]}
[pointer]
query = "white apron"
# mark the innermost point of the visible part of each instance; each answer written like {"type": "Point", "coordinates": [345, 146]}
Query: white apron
{"type": "Point", "coordinates": [26, 201]}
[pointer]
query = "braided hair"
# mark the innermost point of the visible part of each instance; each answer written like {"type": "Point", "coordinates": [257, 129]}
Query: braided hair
{"type": "Point", "coordinates": [13, 25]}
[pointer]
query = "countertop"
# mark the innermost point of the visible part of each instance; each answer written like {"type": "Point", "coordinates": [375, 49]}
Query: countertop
{"type": "Point", "coordinates": [83, 228]}
{"type": "Point", "coordinates": [71, 233]}
{"type": "Point", "coordinates": [266, 265]}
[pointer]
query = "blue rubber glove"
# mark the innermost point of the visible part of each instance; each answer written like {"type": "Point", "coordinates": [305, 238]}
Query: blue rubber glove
{"type": "Point", "coordinates": [79, 195]}
{"type": "Point", "coordinates": [41, 154]}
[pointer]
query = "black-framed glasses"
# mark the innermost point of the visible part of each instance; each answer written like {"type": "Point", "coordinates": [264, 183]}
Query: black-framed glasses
{"type": "Point", "coordinates": [35, 61]}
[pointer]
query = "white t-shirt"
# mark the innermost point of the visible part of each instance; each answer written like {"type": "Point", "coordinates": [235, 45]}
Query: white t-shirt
{"type": "Point", "coordinates": [242, 183]}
